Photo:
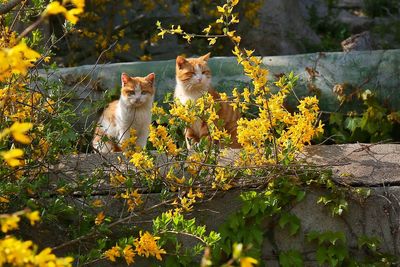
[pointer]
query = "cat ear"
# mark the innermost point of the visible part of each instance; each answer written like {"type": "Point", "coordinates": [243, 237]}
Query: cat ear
{"type": "Point", "coordinates": [124, 78]}
{"type": "Point", "coordinates": [206, 57]}
{"type": "Point", "coordinates": [150, 78]}
{"type": "Point", "coordinates": [180, 61]}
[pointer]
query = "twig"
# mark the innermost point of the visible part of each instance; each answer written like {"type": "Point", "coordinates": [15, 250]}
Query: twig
{"type": "Point", "coordinates": [19, 12]}
{"type": "Point", "coordinates": [31, 28]}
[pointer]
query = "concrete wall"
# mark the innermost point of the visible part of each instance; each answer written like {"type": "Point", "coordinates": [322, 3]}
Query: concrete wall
{"type": "Point", "coordinates": [376, 167]}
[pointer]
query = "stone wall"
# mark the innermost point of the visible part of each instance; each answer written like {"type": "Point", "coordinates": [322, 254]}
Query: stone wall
{"type": "Point", "coordinates": [378, 71]}
{"type": "Point", "coordinates": [370, 166]}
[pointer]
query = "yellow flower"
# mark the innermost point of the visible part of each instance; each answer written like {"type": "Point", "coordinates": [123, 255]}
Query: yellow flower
{"type": "Point", "coordinates": [4, 200]}
{"type": "Point", "coordinates": [113, 253]}
{"type": "Point", "coordinates": [12, 157]}
{"type": "Point", "coordinates": [16, 60]}
{"type": "Point", "coordinates": [33, 217]}
{"type": "Point", "coordinates": [248, 262]}
{"type": "Point", "coordinates": [221, 9]}
{"type": "Point", "coordinates": [223, 96]}
{"type": "Point", "coordinates": [142, 161]}
{"type": "Point", "coordinates": [212, 41]}
{"type": "Point", "coordinates": [78, 3]}
{"type": "Point", "coordinates": [99, 218]}
{"type": "Point", "coordinates": [129, 254]}
{"type": "Point", "coordinates": [56, 7]}
{"type": "Point", "coordinates": [9, 223]}
{"type": "Point", "coordinates": [18, 131]}
{"type": "Point", "coordinates": [14, 252]}
{"type": "Point", "coordinates": [98, 203]}
{"type": "Point", "coordinates": [147, 246]}
{"type": "Point", "coordinates": [234, 2]}
{"type": "Point", "coordinates": [44, 257]}
{"type": "Point", "coordinates": [207, 30]}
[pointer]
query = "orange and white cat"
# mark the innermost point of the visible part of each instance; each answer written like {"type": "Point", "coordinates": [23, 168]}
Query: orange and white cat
{"type": "Point", "coordinates": [193, 79]}
{"type": "Point", "coordinates": [132, 110]}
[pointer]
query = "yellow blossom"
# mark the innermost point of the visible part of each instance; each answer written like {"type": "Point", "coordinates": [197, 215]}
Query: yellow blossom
{"type": "Point", "coordinates": [113, 253]}
{"type": "Point", "coordinates": [33, 217]}
{"type": "Point", "coordinates": [9, 223]}
{"type": "Point", "coordinates": [207, 30]}
{"type": "Point", "coordinates": [99, 218]}
{"type": "Point", "coordinates": [98, 203]}
{"type": "Point", "coordinates": [56, 7]}
{"type": "Point", "coordinates": [14, 252]}
{"type": "Point", "coordinates": [248, 262]}
{"type": "Point", "coordinates": [129, 254]}
{"type": "Point", "coordinates": [18, 131]}
{"type": "Point", "coordinates": [146, 245]}
{"type": "Point", "coordinates": [12, 157]}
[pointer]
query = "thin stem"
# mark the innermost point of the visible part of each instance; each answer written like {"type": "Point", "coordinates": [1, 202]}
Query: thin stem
{"type": "Point", "coordinates": [19, 12]}
{"type": "Point", "coordinates": [31, 28]}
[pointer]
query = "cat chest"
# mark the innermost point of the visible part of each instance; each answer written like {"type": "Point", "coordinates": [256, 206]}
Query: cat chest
{"type": "Point", "coordinates": [197, 127]}
{"type": "Point", "coordinates": [135, 120]}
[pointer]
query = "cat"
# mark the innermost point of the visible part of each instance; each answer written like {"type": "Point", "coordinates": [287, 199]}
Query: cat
{"type": "Point", "coordinates": [193, 79]}
{"type": "Point", "coordinates": [132, 110]}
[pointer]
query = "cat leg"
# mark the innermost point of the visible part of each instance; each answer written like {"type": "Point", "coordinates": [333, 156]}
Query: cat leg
{"type": "Point", "coordinates": [190, 137]}
{"type": "Point", "coordinates": [101, 145]}
{"type": "Point", "coordinates": [142, 138]}
{"type": "Point", "coordinates": [105, 147]}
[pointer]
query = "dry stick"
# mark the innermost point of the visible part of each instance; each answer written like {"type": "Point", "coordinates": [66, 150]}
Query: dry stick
{"type": "Point", "coordinates": [184, 233]}
{"type": "Point", "coordinates": [31, 28]}
{"type": "Point", "coordinates": [7, 7]}
{"type": "Point", "coordinates": [95, 233]}
{"type": "Point", "coordinates": [19, 12]}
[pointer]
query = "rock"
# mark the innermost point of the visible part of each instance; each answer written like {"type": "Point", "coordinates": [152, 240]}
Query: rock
{"type": "Point", "coordinates": [350, 3]}
{"type": "Point", "coordinates": [358, 42]}
{"type": "Point", "coordinates": [354, 22]}
{"type": "Point", "coordinates": [363, 166]}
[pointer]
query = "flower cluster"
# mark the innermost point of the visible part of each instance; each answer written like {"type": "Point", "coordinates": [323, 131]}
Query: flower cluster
{"type": "Point", "coordinates": [162, 141]}
{"type": "Point", "coordinates": [133, 199]}
{"type": "Point", "coordinates": [56, 7]}
{"type": "Point", "coordinates": [146, 245]}
{"type": "Point", "coordinates": [185, 203]}
{"type": "Point", "coordinates": [272, 134]}
{"type": "Point", "coordinates": [17, 130]}
{"type": "Point", "coordinates": [14, 252]}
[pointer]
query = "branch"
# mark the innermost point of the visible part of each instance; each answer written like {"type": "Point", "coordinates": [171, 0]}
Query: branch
{"type": "Point", "coordinates": [7, 7]}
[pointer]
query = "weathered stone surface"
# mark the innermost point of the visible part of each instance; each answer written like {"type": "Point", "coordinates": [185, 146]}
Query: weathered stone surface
{"type": "Point", "coordinates": [373, 166]}
{"type": "Point", "coordinates": [360, 164]}
{"type": "Point", "coordinates": [354, 22]}
{"type": "Point", "coordinates": [375, 70]}
{"type": "Point", "coordinates": [350, 3]}
{"type": "Point", "coordinates": [357, 42]}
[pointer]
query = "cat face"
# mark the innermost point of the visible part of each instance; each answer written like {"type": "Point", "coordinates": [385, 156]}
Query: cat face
{"type": "Point", "coordinates": [137, 91]}
{"type": "Point", "coordinates": [193, 73]}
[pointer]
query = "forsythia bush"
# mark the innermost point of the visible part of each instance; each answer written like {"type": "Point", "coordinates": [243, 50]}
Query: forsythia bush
{"type": "Point", "coordinates": [17, 102]}
{"type": "Point", "coordinates": [36, 133]}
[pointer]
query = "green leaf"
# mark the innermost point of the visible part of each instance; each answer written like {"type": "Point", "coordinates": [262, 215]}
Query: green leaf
{"type": "Point", "coordinates": [291, 258]}
{"type": "Point", "coordinates": [291, 220]}
{"type": "Point", "coordinates": [371, 243]}
{"type": "Point", "coordinates": [352, 123]}
{"type": "Point", "coordinates": [322, 255]}
{"type": "Point", "coordinates": [336, 118]}
{"type": "Point", "coordinates": [300, 196]}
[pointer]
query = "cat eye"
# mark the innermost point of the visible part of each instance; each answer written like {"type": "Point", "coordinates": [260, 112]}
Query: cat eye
{"type": "Point", "coordinates": [205, 72]}
{"type": "Point", "coordinates": [144, 93]}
